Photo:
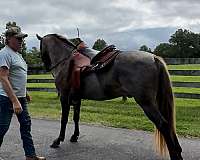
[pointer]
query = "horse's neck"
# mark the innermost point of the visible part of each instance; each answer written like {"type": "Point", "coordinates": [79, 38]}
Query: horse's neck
{"type": "Point", "coordinates": [60, 61]}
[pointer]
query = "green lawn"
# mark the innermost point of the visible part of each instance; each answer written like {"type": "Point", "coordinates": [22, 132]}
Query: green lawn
{"type": "Point", "coordinates": [186, 90]}
{"type": "Point", "coordinates": [184, 67]}
{"type": "Point", "coordinates": [41, 76]}
{"type": "Point", "coordinates": [115, 113]}
{"type": "Point", "coordinates": [185, 78]}
{"type": "Point", "coordinates": [43, 85]}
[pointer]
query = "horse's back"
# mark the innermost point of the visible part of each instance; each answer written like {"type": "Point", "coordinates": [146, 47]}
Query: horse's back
{"type": "Point", "coordinates": [131, 74]}
{"type": "Point", "coordinates": [136, 72]}
{"type": "Point", "coordinates": [137, 56]}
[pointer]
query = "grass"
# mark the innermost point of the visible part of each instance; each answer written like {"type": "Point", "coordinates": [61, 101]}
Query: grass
{"type": "Point", "coordinates": [41, 76]}
{"type": "Point", "coordinates": [115, 113]}
{"type": "Point", "coordinates": [186, 90]}
{"type": "Point", "coordinates": [184, 67]}
{"type": "Point", "coordinates": [43, 85]}
{"type": "Point", "coordinates": [185, 78]}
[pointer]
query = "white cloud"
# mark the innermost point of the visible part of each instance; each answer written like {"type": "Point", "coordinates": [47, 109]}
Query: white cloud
{"type": "Point", "coordinates": [117, 21]}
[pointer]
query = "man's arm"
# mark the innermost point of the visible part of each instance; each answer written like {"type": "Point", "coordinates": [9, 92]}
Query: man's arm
{"type": "Point", "coordinates": [4, 72]}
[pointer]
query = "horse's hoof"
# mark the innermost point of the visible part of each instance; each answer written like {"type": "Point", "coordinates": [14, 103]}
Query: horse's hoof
{"type": "Point", "coordinates": [74, 138]}
{"type": "Point", "coordinates": [55, 144]}
{"type": "Point", "coordinates": [178, 157]}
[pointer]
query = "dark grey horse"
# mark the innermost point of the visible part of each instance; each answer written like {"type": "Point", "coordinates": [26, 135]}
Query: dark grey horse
{"type": "Point", "coordinates": [137, 74]}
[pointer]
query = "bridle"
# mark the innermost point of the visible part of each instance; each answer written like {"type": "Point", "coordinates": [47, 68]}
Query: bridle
{"type": "Point", "coordinates": [62, 60]}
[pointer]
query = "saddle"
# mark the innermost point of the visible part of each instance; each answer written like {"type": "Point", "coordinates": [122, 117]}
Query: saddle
{"type": "Point", "coordinates": [81, 65]}
{"type": "Point", "coordinates": [101, 60]}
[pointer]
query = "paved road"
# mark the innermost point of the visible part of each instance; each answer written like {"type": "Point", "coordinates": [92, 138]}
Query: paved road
{"type": "Point", "coordinates": [95, 143]}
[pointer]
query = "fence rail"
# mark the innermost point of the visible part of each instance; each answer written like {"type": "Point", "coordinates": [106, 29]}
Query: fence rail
{"type": "Point", "coordinates": [185, 72]}
{"type": "Point", "coordinates": [173, 61]}
{"type": "Point", "coordinates": [172, 72]}
{"type": "Point", "coordinates": [178, 95]}
{"type": "Point", "coordinates": [175, 84]}
{"type": "Point", "coordinates": [40, 81]}
{"type": "Point", "coordinates": [182, 60]}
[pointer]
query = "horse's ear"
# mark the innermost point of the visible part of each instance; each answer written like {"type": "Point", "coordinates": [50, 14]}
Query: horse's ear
{"type": "Point", "coordinates": [38, 37]}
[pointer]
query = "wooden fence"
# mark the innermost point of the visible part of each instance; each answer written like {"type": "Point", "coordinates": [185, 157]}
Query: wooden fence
{"type": "Point", "coordinates": [167, 60]}
{"type": "Point", "coordinates": [172, 72]}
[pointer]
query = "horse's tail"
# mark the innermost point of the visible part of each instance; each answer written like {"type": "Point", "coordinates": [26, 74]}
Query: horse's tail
{"type": "Point", "coordinates": [165, 99]}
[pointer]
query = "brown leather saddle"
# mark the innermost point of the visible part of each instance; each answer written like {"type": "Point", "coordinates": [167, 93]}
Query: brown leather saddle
{"type": "Point", "coordinates": [81, 65]}
{"type": "Point", "coordinates": [102, 59]}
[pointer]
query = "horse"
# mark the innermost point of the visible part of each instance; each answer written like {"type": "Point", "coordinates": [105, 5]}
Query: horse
{"type": "Point", "coordinates": [141, 75]}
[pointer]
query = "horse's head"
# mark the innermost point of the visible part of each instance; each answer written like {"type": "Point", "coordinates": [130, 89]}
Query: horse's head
{"type": "Point", "coordinates": [44, 54]}
{"type": "Point", "coordinates": [54, 48]}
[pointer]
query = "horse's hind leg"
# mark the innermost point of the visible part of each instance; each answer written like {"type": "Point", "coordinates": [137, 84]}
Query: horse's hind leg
{"type": "Point", "coordinates": [64, 119]}
{"type": "Point", "coordinates": [151, 110]}
{"type": "Point", "coordinates": [76, 119]}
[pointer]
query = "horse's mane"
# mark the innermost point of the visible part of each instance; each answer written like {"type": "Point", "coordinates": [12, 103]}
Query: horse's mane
{"type": "Point", "coordinates": [63, 39]}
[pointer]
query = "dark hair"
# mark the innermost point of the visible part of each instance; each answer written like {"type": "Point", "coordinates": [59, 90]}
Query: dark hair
{"type": "Point", "coordinates": [9, 34]}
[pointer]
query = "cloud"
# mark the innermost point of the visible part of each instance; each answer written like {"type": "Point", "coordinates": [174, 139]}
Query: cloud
{"type": "Point", "coordinates": [127, 23]}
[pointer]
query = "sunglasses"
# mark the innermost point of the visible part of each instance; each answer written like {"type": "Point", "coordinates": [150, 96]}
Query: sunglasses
{"type": "Point", "coordinates": [19, 38]}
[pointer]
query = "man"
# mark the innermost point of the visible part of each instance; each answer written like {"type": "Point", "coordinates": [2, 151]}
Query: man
{"type": "Point", "coordinates": [13, 77]}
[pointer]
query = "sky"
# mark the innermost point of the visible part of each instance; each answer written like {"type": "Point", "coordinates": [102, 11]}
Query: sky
{"type": "Point", "coordinates": [128, 24]}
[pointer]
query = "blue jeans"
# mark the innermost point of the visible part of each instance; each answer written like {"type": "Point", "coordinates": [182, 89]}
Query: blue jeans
{"type": "Point", "coordinates": [6, 112]}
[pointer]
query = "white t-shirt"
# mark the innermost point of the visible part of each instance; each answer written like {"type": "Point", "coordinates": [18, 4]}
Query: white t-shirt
{"type": "Point", "coordinates": [17, 71]}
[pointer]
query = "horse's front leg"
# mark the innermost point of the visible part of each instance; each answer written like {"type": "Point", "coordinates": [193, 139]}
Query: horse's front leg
{"type": "Point", "coordinates": [76, 119]}
{"type": "Point", "coordinates": [64, 119]}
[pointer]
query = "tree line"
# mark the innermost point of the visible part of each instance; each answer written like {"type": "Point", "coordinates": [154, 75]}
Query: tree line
{"type": "Point", "coordinates": [182, 44]}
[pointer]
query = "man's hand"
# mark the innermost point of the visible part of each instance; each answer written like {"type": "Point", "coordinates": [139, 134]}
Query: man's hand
{"type": "Point", "coordinates": [28, 97]}
{"type": "Point", "coordinates": [17, 107]}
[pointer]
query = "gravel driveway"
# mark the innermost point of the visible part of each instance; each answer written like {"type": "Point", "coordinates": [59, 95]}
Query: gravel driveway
{"type": "Point", "coordinates": [95, 143]}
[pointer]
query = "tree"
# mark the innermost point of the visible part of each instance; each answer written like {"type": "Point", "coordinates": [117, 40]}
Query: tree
{"type": "Point", "coordinates": [186, 43]}
{"type": "Point", "coordinates": [33, 57]}
{"type": "Point", "coordinates": [99, 44]}
{"type": "Point", "coordinates": [165, 50]}
{"type": "Point", "coordinates": [182, 44]}
{"type": "Point", "coordinates": [145, 48]}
